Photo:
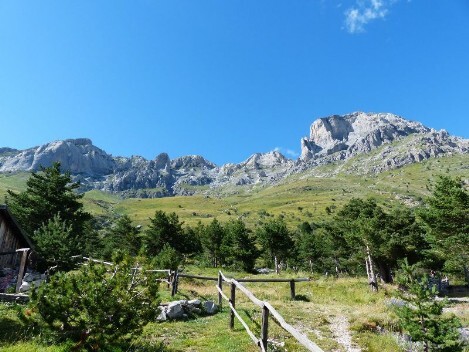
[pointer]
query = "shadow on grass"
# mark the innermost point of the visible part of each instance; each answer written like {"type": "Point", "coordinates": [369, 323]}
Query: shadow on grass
{"type": "Point", "coordinates": [302, 298]}
{"type": "Point", "coordinates": [10, 330]}
{"type": "Point", "coordinates": [248, 314]}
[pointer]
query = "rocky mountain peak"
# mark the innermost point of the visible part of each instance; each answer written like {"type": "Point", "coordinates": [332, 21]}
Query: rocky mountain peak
{"type": "Point", "coordinates": [266, 160]}
{"type": "Point", "coordinates": [354, 133]}
{"type": "Point", "coordinates": [394, 140]}
{"type": "Point", "coordinates": [192, 161]}
{"type": "Point", "coordinates": [162, 162]}
{"type": "Point", "coordinates": [79, 156]}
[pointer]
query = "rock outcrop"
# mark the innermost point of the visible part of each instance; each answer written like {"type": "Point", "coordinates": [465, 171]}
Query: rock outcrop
{"type": "Point", "coordinates": [381, 141]}
{"type": "Point", "coordinates": [355, 133]}
{"type": "Point", "coordinates": [79, 156]}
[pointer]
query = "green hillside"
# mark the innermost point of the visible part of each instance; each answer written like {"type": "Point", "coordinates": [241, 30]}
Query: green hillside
{"type": "Point", "coordinates": [301, 197]}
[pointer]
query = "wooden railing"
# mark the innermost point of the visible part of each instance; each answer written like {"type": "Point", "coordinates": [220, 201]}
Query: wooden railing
{"type": "Point", "coordinates": [267, 310]}
{"type": "Point", "coordinates": [176, 275]}
{"type": "Point", "coordinates": [168, 272]}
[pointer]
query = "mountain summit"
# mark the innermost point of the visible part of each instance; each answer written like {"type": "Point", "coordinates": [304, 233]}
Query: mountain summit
{"type": "Point", "coordinates": [355, 133]}
{"type": "Point", "coordinates": [383, 141]}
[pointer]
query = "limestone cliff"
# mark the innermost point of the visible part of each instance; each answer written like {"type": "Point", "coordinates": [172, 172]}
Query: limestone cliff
{"type": "Point", "coordinates": [377, 142]}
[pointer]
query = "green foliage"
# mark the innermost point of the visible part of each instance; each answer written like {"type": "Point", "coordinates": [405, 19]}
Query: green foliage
{"type": "Point", "coordinates": [167, 242]}
{"type": "Point", "coordinates": [446, 218]}
{"type": "Point", "coordinates": [421, 315]}
{"type": "Point", "coordinates": [275, 240]}
{"type": "Point", "coordinates": [212, 239]}
{"type": "Point", "coordinates": [239, 246]}
{"type": "Point", "coordinates": [163, 229]}
{"type": "Point", "coordinates": [48, 193]}
{"type": "Point", "coordinates": [122, 236]}
{"type": "Point", "coordinates": [96, 307]}
{"type": "Point", "coordinates": [190, 242]}
{"type": "Point", "coordinates": [167, 258]}
{"type": "Point", "coordinates": [51, 212]}
{"type": "Point", "coordinates": [56, 243]}
{"type": "Point", "coordinates": [315, 248]}
{"type": "Point", "coordinates": [389, 236]}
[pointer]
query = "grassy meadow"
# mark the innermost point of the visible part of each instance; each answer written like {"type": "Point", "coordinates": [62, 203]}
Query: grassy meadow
{"type": "Point", "coordinates": [321, 306]}
{"type": "Point", "coordinates": [320, 303]}
{"type": "Point", "coordinates": [304, 197]}
{"type": "Point", "coordinates": [324, 305]}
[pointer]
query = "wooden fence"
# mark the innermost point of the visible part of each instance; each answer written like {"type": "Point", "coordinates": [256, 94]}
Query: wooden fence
{"type": "Point", "coordinates": [175, 276]}
{"type": "Point", "coordinates": [167, 279]}
{"type": "Point", "coordinates": [172, 279]}
{"type": "Point", "coordinates": [267, 310]}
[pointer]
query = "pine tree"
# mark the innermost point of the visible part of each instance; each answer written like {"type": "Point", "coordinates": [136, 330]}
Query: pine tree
{"type": "Point", "coordinates": [276, 241]}
{"type": "Point", "coordinates": [421, 315]}
{"type": "Point", "coordinates": [51, 213]}
{"type": "Point", "coordinates": [123, 236]}
{"type": "Point", "coordinates": [56, 244]}
{"type": "Point", "coordinates": [163, 229]}
{"type": "Point", "coordinates": [48, 193]}
{"type": "Point", "coordinates": [446, 218]}
{"type": "Point", "coordinates": [98, 307]}
{"type": "Point", "coordinates": [239, 246]}
{"type": "Point", "coordinates": [315, 248]}
{"type": "Point", "coordinates": [212, 240]}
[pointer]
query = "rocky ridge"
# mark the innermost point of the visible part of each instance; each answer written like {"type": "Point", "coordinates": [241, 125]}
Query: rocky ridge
{"type": "Point", "coordinates": [380, 142]}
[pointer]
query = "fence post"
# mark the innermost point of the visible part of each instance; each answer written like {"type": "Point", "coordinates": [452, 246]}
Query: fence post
{"type": "Point", "coordinates": [24, 257]}
{"type": "Point", "coordinates": [265, 326]}
{"type": "Point", "coordinates": [174, 289]}
{"type": "Point", "coordinates": [233, 302]}
{"type": "Point", "coordinates": [292, 289]}
{"type": "Point", "coordinates": [220, 285]}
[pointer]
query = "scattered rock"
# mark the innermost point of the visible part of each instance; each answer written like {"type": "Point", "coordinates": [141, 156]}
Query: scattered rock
{"type": "Point", "coordinates": [265, 270]}
{"type": "Point", "coordinates": [195, 302]}
{"type": "Point", "coordinates": [183, 309]}
{"type": "Point", "coordinates": [210, 307]}
{"type": "Point", "coordinates": [162, 316]}
{"type": "Point", "coordinates": [175, 310]}
{"type": "Point", "coordinates": [25, 286]}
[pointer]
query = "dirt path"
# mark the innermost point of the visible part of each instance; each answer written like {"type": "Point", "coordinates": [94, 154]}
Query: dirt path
{"type": "Point", "coordinates": [340, 329]}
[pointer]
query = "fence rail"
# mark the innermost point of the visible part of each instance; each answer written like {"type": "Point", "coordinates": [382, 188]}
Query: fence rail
{"type": "Point", "coordinates": [175, 281]}
{"type": "Point", "coordinates": [267, 310]}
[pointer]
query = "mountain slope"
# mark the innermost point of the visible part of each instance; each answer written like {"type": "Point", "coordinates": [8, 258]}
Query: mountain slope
{"type": "Point", "coordinates": [357, 143]}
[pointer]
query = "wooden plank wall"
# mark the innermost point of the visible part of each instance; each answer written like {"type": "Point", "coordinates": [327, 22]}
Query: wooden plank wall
{"type": "Point", "coordinates": [8, 242]}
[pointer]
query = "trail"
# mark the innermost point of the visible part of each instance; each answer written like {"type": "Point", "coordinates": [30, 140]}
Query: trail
{"type": "Point", "coordinates": [340, 329]}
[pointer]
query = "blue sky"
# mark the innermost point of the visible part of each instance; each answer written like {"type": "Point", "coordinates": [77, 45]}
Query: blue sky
{"type": "Point", "coordinates": [225, 79]}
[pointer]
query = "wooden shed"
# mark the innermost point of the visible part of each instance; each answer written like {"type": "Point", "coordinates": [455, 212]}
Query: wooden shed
{"type": "Point", "coordinates": [12, 238]}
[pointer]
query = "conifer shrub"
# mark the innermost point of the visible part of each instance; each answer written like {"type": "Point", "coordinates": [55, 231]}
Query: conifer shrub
{"type": "Point", "coordinates": [97, 307]}
{"type": "Point", "coordinates": [421, 314]}
{"type": "Point", "coordinates": [168, 258]}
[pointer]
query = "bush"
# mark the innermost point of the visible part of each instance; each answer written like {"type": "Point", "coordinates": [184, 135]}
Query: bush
{"type": "Point", "coordinates": [95, 307]}
{"type": "Point", "coordinates": [421, 315]}
{"type": "Point", "coordinates": [168, 258]}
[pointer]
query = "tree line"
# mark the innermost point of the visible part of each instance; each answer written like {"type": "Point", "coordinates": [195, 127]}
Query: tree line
{"type": "Point", "coordinates": [435, 235]}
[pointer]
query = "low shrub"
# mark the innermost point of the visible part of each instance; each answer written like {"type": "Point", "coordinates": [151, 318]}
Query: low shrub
{"type": "Point", "coordinates": [97, 307]}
